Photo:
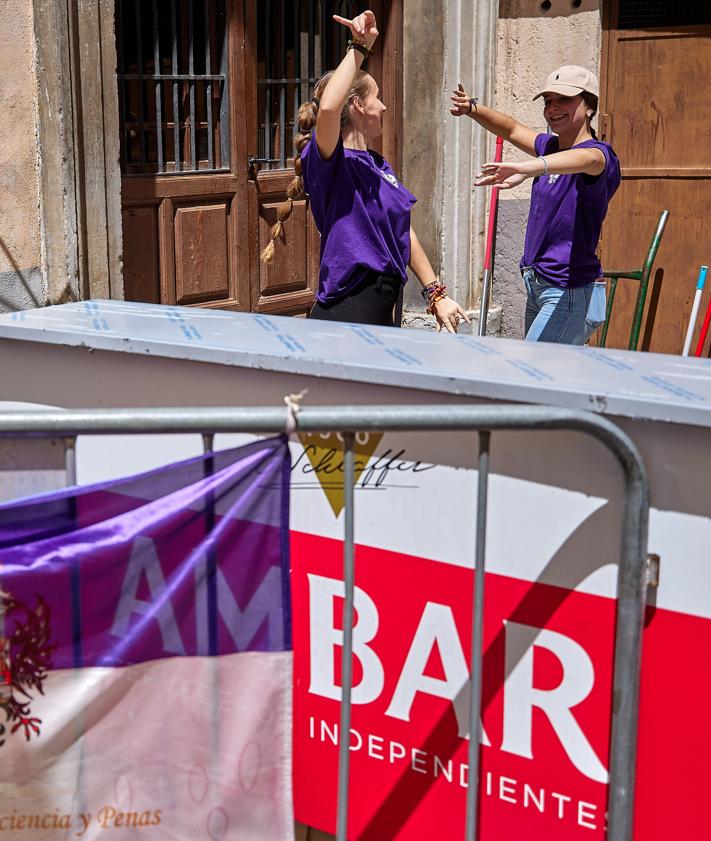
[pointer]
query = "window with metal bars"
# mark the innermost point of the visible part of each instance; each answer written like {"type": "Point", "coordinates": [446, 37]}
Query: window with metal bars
{"type": "Point", "coordinates": [297, 41]}
{"type": "Point", "coordinates": [650, 14]}
{"type": "Point", "coordinates": [172, 80]}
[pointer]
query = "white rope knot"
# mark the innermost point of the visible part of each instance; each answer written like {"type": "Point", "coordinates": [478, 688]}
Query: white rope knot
{"type": "Point", "coordinates": [293, 407]}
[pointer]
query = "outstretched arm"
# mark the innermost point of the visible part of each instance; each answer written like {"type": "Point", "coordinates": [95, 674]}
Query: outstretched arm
{"type": "Point", "coordinates": [447, 312]}
{"type": "Point", "coordinates": [501, 125]}
{"type": "Point", "coordinates": [364, 30]}
{"type": "Point", "coordinates": [569, 162]}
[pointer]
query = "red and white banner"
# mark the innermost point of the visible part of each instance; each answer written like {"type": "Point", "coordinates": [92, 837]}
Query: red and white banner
{"type": "Point", "coordinates": [547, 668]}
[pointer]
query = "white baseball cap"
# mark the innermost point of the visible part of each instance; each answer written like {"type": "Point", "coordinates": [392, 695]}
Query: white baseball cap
{"type": "Point", "coordinates": [570, 80]}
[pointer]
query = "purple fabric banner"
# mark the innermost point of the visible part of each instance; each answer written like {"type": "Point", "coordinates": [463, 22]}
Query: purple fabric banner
{"type": "Point", "coordinates": [190, 559]}
{"type": "Point", "coordinates": [145, 663]}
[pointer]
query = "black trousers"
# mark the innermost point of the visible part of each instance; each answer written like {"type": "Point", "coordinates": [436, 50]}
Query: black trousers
{"type": "Point", "coordinates": [376, 300]}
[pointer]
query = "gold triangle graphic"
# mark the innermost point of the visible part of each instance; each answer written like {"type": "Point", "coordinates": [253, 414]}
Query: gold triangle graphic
{"type": "Point", "coordinates": [325, 453]}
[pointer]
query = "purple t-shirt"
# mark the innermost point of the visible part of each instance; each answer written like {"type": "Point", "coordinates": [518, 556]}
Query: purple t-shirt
{"type": "Point", "coordinates": [566, 217]}
{"type": "Point", "coordinates": [362, 213]}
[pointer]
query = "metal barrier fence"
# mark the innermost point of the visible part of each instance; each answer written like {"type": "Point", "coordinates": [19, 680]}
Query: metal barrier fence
{"type": "Point", "coordinates": [632, 576]}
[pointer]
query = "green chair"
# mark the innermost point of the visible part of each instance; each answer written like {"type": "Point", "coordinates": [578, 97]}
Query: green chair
{"type": "Point", "coordinates": [642, 275]}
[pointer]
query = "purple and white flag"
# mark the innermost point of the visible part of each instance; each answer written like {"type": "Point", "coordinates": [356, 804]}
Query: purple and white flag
{"type": "Point", "coordinates": [145, 662]}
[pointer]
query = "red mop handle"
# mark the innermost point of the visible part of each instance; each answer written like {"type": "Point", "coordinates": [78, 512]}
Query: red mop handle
{"type": "Point", "coordinates": [704, 330]}
{"type": "Point", "coordinates": [498, 155]}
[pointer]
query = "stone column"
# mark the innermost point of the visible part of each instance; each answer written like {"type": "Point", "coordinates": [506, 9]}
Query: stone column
{"type": "Point", "coordinates": [78, 130]}
{"type": "Point", "coordinates": [442, 153]}
{"type": "Point", "coordinates": [22, 283]}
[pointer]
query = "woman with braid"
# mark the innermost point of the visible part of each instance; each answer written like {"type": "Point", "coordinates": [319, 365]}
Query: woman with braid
{"type": "Point", "coordinates": [574, 176]}
{"type": "Point", "coordinates": [361, 210]}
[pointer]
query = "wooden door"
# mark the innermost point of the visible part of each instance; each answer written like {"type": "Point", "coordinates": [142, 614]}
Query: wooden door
{"type": "Point", "coordinates": [656, 71]}
{"type": "Point", "coordinates": [184, 184]}
{"type": "Point", "coordinates": [290, 44]}
{"type": "Point", "coordinates": [208, 95]}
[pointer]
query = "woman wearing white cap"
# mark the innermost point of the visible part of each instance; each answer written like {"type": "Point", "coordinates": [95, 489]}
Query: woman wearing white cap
{"type": "Point", "coordinates": [575, 176]}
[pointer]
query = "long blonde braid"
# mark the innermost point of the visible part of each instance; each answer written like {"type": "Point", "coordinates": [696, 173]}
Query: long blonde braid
{"type": "Point", "coordinates": [305, 122]}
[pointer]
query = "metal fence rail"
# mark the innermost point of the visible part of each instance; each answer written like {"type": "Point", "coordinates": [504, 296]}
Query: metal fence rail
{"type": "Point", "coordinates": [632, 577]}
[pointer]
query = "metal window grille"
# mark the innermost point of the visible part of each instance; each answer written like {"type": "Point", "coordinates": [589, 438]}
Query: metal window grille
{"type": "Point", "coordinates": [172, 81]}
{"type": "Point", "coordinates": [632, 577]}
{"type": "Point", "coordinates": [650, 14]}
{"type": "Point", "coordinates": [297, 41]}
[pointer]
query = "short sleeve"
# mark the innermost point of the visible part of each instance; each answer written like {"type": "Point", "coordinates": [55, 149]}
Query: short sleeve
{"type": "Point", "coordinates": [609, 178]}
{"type": "Point", "coordinates": [318, 172]}
{"type": "Point", "coordinates": [546, 144]}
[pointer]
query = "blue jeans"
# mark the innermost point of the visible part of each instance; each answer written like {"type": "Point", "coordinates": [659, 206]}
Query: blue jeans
{"type": "Point", "coordinates": [565, 316]}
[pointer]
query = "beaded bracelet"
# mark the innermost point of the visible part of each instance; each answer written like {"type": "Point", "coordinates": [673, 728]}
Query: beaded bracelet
{"type": "Point", "coordinates": [433, 294]}
{"type": "Point", "coordinates": [435, 300]}
{"type": "Point", "coordinates": [434, 289]}
{"type": "Point", "coordinates": [428, 289]}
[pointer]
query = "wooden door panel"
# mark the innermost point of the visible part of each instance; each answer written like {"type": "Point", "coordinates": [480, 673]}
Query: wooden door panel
{"type": "Point", "coordinates": [288, 271]}
{"type": "Point", "coordinates": [656, 118]}
{"type": "Point", "coordinates": [660, 128]}
{"type": "Point", "coordinates": [141, 274]}
{"type": "Point", "coordinates": [288, 283]}
{"type": "Point", "coordinates": [281, 71]}
{"type": "Point", "coordinates": [136, 190]}
{"type": "Point", "coordinates": [629, 227]}
{"type": "Point", "coordinates": [184, 193]}
{"type": "Point", "coordinates": [202, 248]}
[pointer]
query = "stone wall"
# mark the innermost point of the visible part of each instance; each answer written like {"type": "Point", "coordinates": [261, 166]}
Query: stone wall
{"type": "Point", "coordinates": [445, 43]}
{"type": "Point", "coordinates": [21, 278]}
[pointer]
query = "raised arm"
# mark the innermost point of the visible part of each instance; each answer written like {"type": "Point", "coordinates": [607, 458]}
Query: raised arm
{"type": "Point", "coordinates": [501, 125]}
{"type": "Point", "coordinates": [364, 30]}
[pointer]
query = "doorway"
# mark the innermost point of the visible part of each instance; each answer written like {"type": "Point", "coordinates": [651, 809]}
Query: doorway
{"type": "Point", "coordinates": [656, 65]}
{"type": "Point", "coordinates": [208, 96]}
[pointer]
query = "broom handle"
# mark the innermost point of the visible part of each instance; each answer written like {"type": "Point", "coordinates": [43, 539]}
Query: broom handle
{"type": "Point", "coordinates": [695, 309]}
{"type": "Point", "coordinates": [705, 328]}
